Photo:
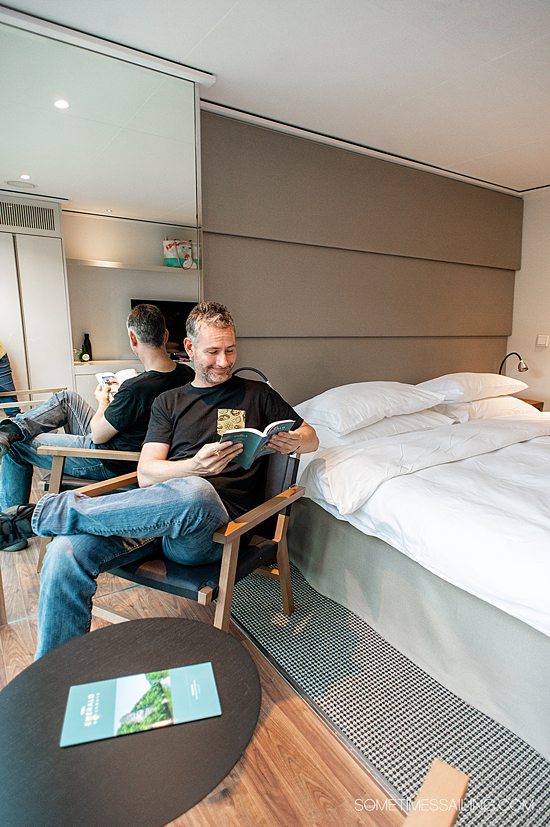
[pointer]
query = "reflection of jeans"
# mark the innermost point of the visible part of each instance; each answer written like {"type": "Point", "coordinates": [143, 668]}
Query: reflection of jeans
{"type": "Point", "coordinates": [184, 512]}
{"type": "Point", "coordinates": [6, 384]}
{"type": "Point", "coordinates": [64, 409]}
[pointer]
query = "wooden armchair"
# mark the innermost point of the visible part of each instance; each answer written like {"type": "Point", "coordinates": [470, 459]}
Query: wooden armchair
{"type": "Point", "coordinates": [253, 541]}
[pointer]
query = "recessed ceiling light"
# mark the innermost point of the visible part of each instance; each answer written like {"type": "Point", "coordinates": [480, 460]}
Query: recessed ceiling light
{"type": "Point", "coordinates": [25, 177]}
{"type": "Point", "coordinates": [61, 104]}
{"type": "Point", "coordinates": [20, 184]}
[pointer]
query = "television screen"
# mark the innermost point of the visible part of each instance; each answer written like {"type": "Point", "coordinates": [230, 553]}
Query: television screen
{"type": "Point", "coordinates": [175, 314]}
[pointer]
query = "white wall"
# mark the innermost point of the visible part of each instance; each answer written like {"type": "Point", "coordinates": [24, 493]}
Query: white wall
{"type": "Point", "coordinates": [532, 299]}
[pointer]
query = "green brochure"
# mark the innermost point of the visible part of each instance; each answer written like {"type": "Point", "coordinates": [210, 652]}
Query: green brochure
{"type": "Point", "coordinates": [135, 703]}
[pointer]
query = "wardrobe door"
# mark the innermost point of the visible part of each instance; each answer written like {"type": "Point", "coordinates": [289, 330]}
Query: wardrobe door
{"type": "Point", "coordinates": [45, 310]}
{"type": "Point", "coordinates": [11, 326]}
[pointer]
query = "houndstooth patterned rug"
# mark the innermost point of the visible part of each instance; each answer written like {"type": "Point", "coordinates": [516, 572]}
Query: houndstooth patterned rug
{"type": "Point", "coordinates": [392, 713]}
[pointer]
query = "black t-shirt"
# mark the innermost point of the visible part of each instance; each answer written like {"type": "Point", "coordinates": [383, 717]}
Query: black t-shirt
{"type": "Point", "coordinates": [189, 417]}
{"type": "Point", "coordinates": [131, 407]}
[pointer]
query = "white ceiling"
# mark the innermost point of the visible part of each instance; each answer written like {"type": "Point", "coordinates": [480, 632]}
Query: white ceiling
{"type": "Point", "coordinates": [462, 85]}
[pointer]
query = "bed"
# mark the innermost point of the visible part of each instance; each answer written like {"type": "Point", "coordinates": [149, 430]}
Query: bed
{"type": "Point", "coordinates": [433, 525]}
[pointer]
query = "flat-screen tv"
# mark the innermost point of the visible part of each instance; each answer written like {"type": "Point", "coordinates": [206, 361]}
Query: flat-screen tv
{"type": "Point", "coordinates": [175, 314]}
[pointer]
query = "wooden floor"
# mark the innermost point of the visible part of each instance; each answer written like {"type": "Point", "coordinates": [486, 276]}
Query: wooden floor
{"type": "Point", "coordinates": [294, 772]}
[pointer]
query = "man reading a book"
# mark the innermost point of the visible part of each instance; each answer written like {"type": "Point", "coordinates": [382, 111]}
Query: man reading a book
{"type": "Point", "coordinates": [189, 482]}
{"type": "Point", "coordinates": [120, 424]}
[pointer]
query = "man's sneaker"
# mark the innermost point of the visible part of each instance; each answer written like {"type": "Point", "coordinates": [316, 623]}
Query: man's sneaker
{"type": "Point", "coordinates": [15, 526]}
{"type": "Point", "coordinates": [9, 433]}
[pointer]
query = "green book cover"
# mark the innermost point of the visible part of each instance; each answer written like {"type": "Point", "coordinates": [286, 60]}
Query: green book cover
{"type": "Point", "coordinates": [254, 441]}
{"type": "Point", "coordinates": [135, 703]}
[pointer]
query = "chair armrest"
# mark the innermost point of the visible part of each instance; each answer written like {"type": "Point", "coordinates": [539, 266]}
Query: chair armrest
{"type": "Point", "coordinates": [20, 403]}
{"type": "Point", "coordinates": [97, 453]}
{"type": "Point", "coordinates": [95, 489]}
{"type": "Point", "coordinates": [236, 528]}
{"type": "Point", "coordinates": [31, 390]}
{"type": "Point", "coordinates": [437, 803]}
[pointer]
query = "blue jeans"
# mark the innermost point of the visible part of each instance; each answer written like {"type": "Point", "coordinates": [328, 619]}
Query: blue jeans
{"type": "Point", "coordinates": [65, 409]}
{"type": "Point", "coordinates": [183, 512]}
{"type": "Point", "coordinates": [6, 384]}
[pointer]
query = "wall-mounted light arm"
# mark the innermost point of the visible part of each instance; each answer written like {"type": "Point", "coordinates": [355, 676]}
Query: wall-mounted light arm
{"type": "Point", "coordinates": [522, 367]}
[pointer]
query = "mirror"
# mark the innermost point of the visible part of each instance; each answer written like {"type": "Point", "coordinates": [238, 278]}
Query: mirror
{"type": "Point", "coordinates": [126, 142]}
{"type": "Point", "coordinates": [120, 158]}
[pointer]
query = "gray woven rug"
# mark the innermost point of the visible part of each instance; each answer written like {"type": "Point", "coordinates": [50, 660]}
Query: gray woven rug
{"type": "Point", "coordinates": [395, 716]}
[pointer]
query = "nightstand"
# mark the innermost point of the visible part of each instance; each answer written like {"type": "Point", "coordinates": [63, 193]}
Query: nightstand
{"type": "Point", "coordinates": [534, 402]}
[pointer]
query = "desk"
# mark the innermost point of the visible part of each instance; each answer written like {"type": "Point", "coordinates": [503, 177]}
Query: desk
{"type": "Point", "coordinates": [147, 778]}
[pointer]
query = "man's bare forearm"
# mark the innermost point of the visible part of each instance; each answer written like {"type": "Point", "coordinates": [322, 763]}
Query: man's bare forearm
{"type": "Point", "coordinates": [159, 470]}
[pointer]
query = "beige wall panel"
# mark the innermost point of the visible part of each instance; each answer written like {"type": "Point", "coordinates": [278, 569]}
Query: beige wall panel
{"type": "Point", "coordinates": [302, 368]}
{"type": "Point", "coordinates": [266, 184]}
{"type": "Point", "coordinates": [280, 289]}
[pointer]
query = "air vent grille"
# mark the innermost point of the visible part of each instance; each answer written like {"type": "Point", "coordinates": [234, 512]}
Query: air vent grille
{"type": "Point", "coordinates": [27, 216]}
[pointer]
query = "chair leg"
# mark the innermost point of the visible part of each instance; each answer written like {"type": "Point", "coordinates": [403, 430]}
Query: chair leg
{"type": "Point", "coordinates": [56, 478]}
{"type": "Point", "coordinates": [42, 549]}
{"type": "Point", "coordinates": [227, 583]}
{"type": "Point", "coordinates": [283, 564]}
{"type": "Point", "coordinates": [3, 615]}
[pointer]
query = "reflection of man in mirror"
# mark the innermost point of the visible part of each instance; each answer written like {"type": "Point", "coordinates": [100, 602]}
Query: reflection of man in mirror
{"type": "Point", "coordinates": [120, 424]}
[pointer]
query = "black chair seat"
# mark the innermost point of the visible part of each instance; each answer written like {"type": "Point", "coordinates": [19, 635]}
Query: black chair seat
{"type": "Point", "coordinates": [69, 483]}
{"type": "Point", "coordinates": [187, 581]}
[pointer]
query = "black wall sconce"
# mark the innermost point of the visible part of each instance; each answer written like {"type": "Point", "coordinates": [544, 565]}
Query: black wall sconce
{"type": "Point", "coordinates": [521, 364]}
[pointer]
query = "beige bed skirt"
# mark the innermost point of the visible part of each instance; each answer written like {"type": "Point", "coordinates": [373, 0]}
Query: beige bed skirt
{"type": "Point", "coordinates": [488, 658]}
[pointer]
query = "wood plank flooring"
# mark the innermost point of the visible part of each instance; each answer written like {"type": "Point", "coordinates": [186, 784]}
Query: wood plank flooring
{"type": "Point", "coordinates": [294, 772]}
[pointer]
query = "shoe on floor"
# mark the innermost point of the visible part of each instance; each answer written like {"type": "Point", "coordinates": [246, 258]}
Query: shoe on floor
{"type": "Point", "coordinates": [15, 526]}
{"type": "Point", "coordinates": [18, 546]}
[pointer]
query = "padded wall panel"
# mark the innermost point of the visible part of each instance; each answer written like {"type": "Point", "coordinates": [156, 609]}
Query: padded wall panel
{"type": "Point", "coordinates": [266, 184]}
{"type": "Point", "coordinates": [280, 289]}
{"type": "Point", "coordinates": [301, 368]}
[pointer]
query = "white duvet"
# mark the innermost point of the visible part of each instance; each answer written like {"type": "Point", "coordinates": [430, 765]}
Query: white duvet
{"type": "Point", "coordinates": [469, 502]}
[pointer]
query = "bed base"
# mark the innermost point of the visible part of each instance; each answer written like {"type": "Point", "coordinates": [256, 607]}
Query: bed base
{"type": "Point", "coordinates": [488, 658]}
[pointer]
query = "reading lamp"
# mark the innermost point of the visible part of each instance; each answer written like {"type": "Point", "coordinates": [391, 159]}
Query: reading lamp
{"type": "Point", "coordinates": [522, 367]}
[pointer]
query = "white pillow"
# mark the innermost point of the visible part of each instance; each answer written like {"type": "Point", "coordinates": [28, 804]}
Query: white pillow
{"type": "Point", "coordinates": [501, 406]}
{"type": "Point", "coordinates": [467, 387]}
{"type": "Point", "coordinates": [403, 424]}
{"type": "Point", "coordinates": [349, 407]}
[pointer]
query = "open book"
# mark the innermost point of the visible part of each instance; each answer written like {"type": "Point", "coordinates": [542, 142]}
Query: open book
{"type": "Point", "coordinates": [254, 441]}
{"type": "Point", "coordinates": [114, 380]}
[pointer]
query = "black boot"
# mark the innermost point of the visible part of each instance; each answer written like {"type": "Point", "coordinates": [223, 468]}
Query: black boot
{"type": "Point", "coordinates": [15, 526]}
{"type": "Point", "coordinates": [9, 433]}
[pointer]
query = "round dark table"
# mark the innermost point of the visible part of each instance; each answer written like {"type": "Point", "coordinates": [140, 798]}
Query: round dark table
{"type": "Point", "coordinates": [147, 778]}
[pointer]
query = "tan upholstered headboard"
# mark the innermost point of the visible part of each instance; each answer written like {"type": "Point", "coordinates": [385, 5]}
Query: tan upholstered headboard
{"type": "Point", "coordinates": [339, 267]}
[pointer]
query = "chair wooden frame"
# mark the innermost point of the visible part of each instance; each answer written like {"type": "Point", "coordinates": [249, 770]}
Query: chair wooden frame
{"type": "Point", "coordinates": [445, 785]}
{"type": "Point", "coordinates": [25, 403]}
{"type": "Point", "coordinates": [229, 536]}
{"type": "Point", "coordinates": [55, 484]}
